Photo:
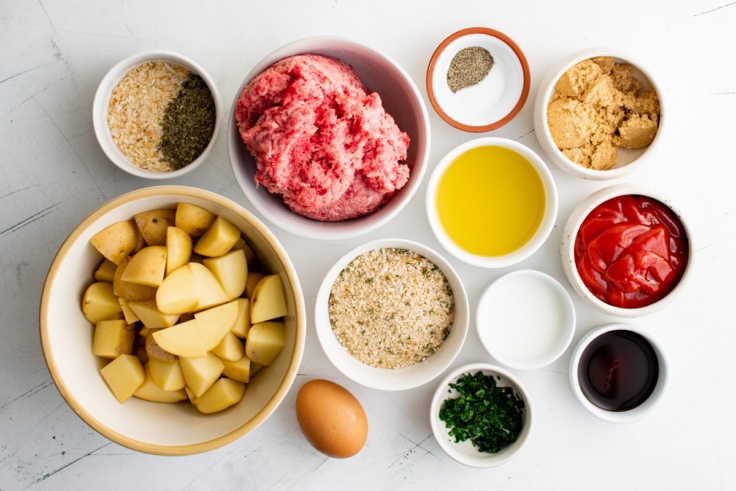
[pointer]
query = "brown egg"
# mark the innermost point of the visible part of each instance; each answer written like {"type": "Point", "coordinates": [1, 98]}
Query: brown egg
{"type": "Point", "coordinates": [331, 418]}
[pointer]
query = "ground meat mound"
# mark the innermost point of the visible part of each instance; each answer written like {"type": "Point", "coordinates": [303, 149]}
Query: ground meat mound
{"type": "Point", "coordinates": [320, 139]}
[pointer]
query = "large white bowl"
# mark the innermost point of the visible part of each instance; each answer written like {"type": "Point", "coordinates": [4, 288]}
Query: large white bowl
{"type": "Point", "coordinates": [631, 415]}
{"type": "Point", "coordinates": [400, 378]}
{"type": "Point", "coordinates": [101, 105]}
{"type": "Point", "coordinates": [628, 160]}
{"type": "Point", "coordinates": [66, 336]}
{"type": "Point", "coordinates": [464, 452]}
{"type": "Point", "coordinates": [570, 232]}
{"type": "Point", "coordinates": [525, 250]}
{"type": "Point", "coordinates": [401, 99]}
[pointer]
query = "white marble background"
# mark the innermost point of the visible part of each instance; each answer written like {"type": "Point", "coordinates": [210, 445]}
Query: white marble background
{"type": "Point", "coordinates": [53, 53]}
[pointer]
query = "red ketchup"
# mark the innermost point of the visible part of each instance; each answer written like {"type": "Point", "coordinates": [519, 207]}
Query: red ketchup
{"type": "Point", "coordinates": [631, 251]}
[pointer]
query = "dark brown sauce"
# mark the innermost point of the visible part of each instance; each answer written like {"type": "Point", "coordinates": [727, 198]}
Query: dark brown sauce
{"type": "Point", "coordinates": [618, 370]}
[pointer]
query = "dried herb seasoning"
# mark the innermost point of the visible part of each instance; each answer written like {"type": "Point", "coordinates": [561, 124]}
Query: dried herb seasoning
{"type": "Point", "coordinates": [188, 123]}
{"type": "Point", "coordinates": [469, 67]}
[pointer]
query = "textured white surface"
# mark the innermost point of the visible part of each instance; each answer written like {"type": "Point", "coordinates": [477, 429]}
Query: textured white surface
{"type": "Point", "coordinates": [53, 173]}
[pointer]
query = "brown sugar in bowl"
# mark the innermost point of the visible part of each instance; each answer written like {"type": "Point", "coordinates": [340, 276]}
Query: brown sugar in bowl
{"type": "Point", "coordinates": [627, 160]}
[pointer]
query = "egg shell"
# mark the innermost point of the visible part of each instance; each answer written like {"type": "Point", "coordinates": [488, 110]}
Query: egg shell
{"type": "Point", "coordinates": [332, 419]}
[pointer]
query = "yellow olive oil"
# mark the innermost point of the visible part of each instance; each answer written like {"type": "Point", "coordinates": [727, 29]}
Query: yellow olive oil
{"type": "Point", "coordinates": [490, 201]}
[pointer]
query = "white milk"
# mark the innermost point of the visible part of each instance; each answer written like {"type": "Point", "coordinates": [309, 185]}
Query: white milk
{"type": "Point", "coordinates": [522, 317]}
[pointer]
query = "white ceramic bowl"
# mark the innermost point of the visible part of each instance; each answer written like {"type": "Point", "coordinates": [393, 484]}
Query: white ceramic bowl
{"type": "Point", "coordinates": [536, 239]}
{"type": "Point", "coordinates": [570, 232]}
{"type": "Point", "coordinates": [519, 336]}
{"type": "Point", "coordinates": [577, 371]}
{"type": "Point", "coordinates": [464, 452]}
{"type": "Point", "coordinates": [493, 102]}
{"type": "Point", "coordinates": [169, 429]}
{"type": "Point", "coordinates": [399, 378]}
{"type": "Point", "coordinates": [401, 99]}
{"type": "Point", "coordinates": [628, 160]}
{"type": "Point", "coordinates": [101, 106]}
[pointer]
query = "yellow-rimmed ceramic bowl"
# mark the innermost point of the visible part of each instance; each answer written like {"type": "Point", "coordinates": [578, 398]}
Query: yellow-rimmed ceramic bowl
{"type": "Point", "coordinates": [166, 429]}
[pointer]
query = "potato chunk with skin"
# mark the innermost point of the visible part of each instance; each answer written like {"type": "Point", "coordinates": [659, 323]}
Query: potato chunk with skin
{"type": "Point", "coordinates": [242, 321]}
{"type": "Point", "coordinates": [153, 350]}
{"type": "Point", "coordinates": [265, 341]}
{"type": "Point", "coordinates": [178, 248]}
{"type": "Point", "coordinates": [148, 313]}
{"type": "Point", "coordinates": [231, 270]}
{"type": "Point", "coordinates": [224, 393]}
{"type": "Point", "coordinates": [179, 292]}
{"type": "Point", "coordinates": [268, 301]}
{"type": "Point", "coordinates": [231, 348]}
{"type": "Point", "coordinates": [128, 290]}
{"type": "Point", "coordinates": [193, 219]}
{"type": "Point", "coordinates": [166, 374]}
{"type": "Point", "coordinates": [201, 372]}
{"type": "Point", "coordinates": [250, 254]}
{"type": "Point", "coordinates": [123, 375]}
{"type": "Point", "coordinates": [152, 225]}
{"type": "Point", "coordinates": [146, 267]}
{"type": "Point", "coordinates": [211, 292]}
{"type": "Point", "coordinates": [250, 283]}
{"type": "Point", "coordinates": [117, 241]}
{"type": "Point", "coordinates": [106, 271]}
{"type": "Point", "coordinates": [99, 302]}
{"type": "Point", "coordinates": [149, 391]}
{"type": "Point", "coordinates": [239, 370]}
{"type": "Point", "coordinates": [113, 338]}
{"type": "Point", "coordinates": [219, 238]}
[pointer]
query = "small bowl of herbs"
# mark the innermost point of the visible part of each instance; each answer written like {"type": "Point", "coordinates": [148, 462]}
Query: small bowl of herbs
{"type": "Point", "coordinates": [157, 114]}
{"type": "Point", "coordinates": [481, 415]}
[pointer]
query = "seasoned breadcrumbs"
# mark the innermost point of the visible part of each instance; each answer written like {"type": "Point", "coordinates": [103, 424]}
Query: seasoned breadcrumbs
{"type": "Point", "coordinates": [391, 308]}
{"type": "Point", "coordinates": [137, 106]}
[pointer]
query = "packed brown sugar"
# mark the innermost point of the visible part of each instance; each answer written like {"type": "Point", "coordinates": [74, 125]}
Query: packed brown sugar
{"type": "Point", "coordinates": [599, 107]}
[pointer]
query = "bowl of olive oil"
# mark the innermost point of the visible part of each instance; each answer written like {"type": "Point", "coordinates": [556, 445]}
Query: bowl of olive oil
{"type": "Point", "coordinates": [491, 202]}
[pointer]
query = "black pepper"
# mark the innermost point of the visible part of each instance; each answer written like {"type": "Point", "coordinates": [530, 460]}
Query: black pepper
{"type": "Point", "coordinates": [469, 67]}
{"type": "Point", "coordinates": [188, 123]}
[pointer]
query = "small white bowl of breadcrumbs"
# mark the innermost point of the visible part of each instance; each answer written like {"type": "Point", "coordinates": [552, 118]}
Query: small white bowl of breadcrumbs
{"type": "Point", "coordinates": [157, 114]}
{"type": "Point", "coordinates": [598, 114]}
{"type": "Point", "coordinates": [391, 314]}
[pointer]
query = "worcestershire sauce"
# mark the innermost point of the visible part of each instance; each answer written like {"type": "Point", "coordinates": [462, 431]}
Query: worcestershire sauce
{"type": "Point", "coordinates": [618, 370]}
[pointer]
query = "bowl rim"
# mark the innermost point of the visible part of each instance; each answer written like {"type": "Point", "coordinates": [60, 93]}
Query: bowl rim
{"type": "Point", "coordinates": [307, 227]}
{"type": "Point", "coordinates": [400, 378]}
{"type": "Point", "coordinates": [89, 418]}
{"type": "Point", "coordinates": [100, 105]}
{"type": "Point", "coordinates": [440, 432]}
{"type": "Point", "coordinates": [569, 234]}
{"type": "Point", "coordinates": [561, 345]}
{"type": "Point", "coordinates": [436, 55]}
{"type": "Point", "coordinates": [532, 245]}
{"type": "Point", "coordinates": [545, 91]}
{"type": "Point", "coordinates": [644, 408]}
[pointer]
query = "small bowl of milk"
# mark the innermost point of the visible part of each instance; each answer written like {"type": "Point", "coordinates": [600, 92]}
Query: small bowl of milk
{"type": "Point", "coordinates": [525, 319]}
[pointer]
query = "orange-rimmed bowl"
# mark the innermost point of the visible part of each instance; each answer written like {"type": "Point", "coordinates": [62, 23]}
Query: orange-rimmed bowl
{"type": "Point", "coordinates": [490, 103]}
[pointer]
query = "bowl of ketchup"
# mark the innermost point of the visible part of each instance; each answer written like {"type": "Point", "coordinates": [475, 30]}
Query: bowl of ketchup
{"type": "Point", "coordinates": [626, 250]}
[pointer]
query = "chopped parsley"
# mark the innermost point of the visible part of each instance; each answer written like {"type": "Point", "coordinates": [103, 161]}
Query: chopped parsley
{"type": "Point", "coordinates": [491, 417]}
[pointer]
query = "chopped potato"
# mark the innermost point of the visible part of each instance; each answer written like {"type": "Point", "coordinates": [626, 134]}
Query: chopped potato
{"type": "Point", "coordinates": [124, 375]}
{"type": "Point", "coordinates": [173, 303]}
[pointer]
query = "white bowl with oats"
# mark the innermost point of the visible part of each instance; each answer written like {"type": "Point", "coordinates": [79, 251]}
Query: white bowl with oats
{"type": "Point", "coordinates": [156, 114]}
{"type": "Point", "coordinates": [391, 314]}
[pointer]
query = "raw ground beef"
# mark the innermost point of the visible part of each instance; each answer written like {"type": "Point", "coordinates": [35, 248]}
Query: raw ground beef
{"type": "Point", "coordinates": [320, 140]}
